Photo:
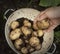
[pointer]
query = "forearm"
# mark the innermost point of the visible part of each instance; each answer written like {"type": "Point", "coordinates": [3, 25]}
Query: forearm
{"type": "Point", "coordinates": [54, 12]}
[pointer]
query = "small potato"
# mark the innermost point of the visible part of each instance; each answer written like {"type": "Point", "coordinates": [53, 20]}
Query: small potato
{"type": "Point", "coordinates": [40, 33]}
{"type": "Point", "coordinates": [24, 50]}
{"type": "Point", "coordinates": [14, 24]}
{"type": "Point", "coordinates": [15, 34]}
{"type": "Point", "coordinates": [34, 41]}
{"type": "Point", "coordinates": [27, 23]}
{"type": "Point", "coordinates": [35, 27]}
{"type": "Point", "coordinates": [44, 24]}
{"type": "Point", "coordinates": [17, 43]}
{"type": "Point", "coordinates": [26, 31]}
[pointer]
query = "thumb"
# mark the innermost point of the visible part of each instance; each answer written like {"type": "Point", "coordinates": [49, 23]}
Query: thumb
{"type": "Point", "coordinates": [43, 16]}
{"type": "Point", "coordinates": [40, 17]}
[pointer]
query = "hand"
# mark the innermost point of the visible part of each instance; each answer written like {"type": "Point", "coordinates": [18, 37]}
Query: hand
{"type": "Point", "coordinates": [53, 14]}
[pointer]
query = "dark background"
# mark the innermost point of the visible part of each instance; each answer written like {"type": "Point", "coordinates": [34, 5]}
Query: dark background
{"type": "Point", "coordinates": [16, 4]}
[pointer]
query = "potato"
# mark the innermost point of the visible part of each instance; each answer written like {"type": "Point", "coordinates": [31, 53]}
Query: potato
{"type": "Point", "coordinates": [44, 24]}
{"type": "Point", "coordinates": [15, 34]}
{"type": "Point", "coordinates": [34, 41]}
{"type": "Point", "coordinates": [14, 24]}
{"type": "Point", "coordinates": [24, 50]}
{"type": "Point", "coordinates": [27, 23]}
{"type": "Point", "coordinates": [17, 43]}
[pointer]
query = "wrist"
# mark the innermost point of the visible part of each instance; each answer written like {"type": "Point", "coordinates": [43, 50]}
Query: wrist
{"type": "Point", "coordinates": [53, 12]}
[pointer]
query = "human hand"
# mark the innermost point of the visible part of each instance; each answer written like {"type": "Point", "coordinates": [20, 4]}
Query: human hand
{"type": "Point", "coordinates": [53, 14]}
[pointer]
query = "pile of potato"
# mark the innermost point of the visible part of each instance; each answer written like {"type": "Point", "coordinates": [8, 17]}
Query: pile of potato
{"type": "Point", "coordinates": [26, 36]}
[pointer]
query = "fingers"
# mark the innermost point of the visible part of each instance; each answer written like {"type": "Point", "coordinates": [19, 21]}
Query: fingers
{"type": "Point", "coordinates": [37, 17]}
{"type": "Point", "coordinates": [43, 16]}
{"type": "Point", "coordinates": [52, 28]}
{"type": "Point", "coordinates": [40, 17]}
{"type": "Point", "coordinates": [43, 12]}
{"type": "Point", "coordinates": [53, 25]}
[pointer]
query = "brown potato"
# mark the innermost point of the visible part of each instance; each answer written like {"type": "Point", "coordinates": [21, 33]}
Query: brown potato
{"type": "Point", "coordinates": [44, 24]}
{"type": "Point", "coordinates": [35, 27]}
{"type": "Point", "coordinates": [27, 23]}
{"type": "Point", "coordinates": [15, 34]}
{"type": "Point", "coordinates": [26, 31]}
{"type": "Point", "coordinates": [34, 41]}
{"type": "Point", "coordinates": [17, 43]}
{"type": "Point", "coordinates": [40, 33]}
{"type": "Point", "coordinates": [24, 50]}
{"type": "Point", "coordinates": [14, 24]}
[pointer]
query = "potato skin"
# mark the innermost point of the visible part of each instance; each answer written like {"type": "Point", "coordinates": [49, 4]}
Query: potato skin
{"type": "Point", "coordinates": [17, 43]}
{"type": "Point", "coordinates": [14, 24]}
{"type": "Point", "coordinates": [26, 31]}
{"type": "Point", "coordinates": [24, 50]}
{"type": "Point", "coordinates": [27, 23]}
{"type": "Point", "coordinates": [44, 24]}
{"type": "Point", "coordinates": [40, 33]}
{"type": "Point", "coordinates": [35, 27]}
{"type": "Point", "coordinates": [15, 34]}
{"type": "Point", "coordinates": [34, 41]}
